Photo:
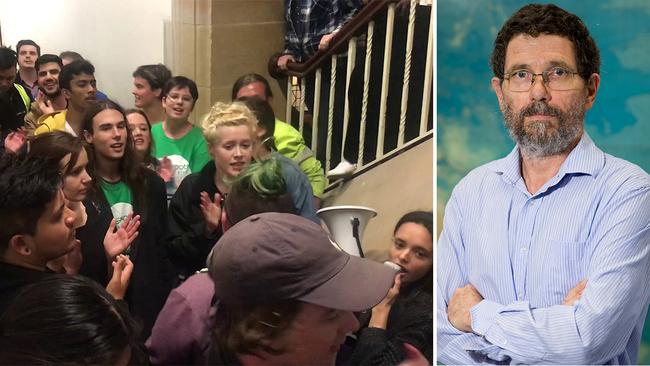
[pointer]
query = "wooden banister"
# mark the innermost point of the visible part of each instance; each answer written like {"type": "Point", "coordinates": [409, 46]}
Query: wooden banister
{"type": "Point", "coordinates": [338, 44]}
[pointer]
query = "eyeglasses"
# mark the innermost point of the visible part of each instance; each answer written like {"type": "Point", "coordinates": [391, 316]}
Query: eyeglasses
{"type": "Point", "coordinates": [176, 98]}
{"type": "Point", "coordinates": [557, 78]}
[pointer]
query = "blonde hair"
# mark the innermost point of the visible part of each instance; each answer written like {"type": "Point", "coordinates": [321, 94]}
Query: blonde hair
{"type": "Point", "coordinates": [227, 114]}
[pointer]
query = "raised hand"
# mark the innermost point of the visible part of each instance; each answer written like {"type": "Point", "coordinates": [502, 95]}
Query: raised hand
{"type": "Point", "coordinates": [15, 140]}
{"type": "Point", "coordinates": [44, 104]}
{"type": "Point", "coordinates": [166, 169]}
{"type": "Point", "coordinates": [117, 241]}
{"type": "Point", "coordinates": [119, 283]}
{"type": "Point", "coordinates": [73, 259]}
{"type": "Point", "coordinates": [379, 317]}
{"type": "Point", "coordinates": [211, 210]}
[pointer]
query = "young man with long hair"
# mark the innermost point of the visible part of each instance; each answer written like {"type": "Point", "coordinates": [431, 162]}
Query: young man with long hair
{"type": "Point", "coordinates": [121, 186]}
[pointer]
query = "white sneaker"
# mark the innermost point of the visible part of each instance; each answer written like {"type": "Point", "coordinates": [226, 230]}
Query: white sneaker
{"type": "Point", "coordinates": [344, 169]}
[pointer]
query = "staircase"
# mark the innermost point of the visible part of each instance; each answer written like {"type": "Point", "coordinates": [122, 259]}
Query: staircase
{"type": "Point", "coordinates": [374, 83]}
{"type": "Point", "coordinates": [388, 113]}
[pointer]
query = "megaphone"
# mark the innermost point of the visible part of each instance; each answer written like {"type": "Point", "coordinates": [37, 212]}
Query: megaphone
{"type": "Point", "coordinates": [346, 225]}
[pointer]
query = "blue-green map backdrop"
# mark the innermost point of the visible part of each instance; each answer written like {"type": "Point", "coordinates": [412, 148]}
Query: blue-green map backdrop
{"type": "Point", "coordinates": [470, 128]}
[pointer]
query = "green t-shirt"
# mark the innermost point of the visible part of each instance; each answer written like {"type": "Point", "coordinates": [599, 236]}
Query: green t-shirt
{"type": "Point", "coordinates": [189, 154]}
{"type": "Point", "coordinates": [120, 199]}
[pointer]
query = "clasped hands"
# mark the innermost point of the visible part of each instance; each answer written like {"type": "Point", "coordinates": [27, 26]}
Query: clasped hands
{"type": "Point", "coordinates": [466, 297]}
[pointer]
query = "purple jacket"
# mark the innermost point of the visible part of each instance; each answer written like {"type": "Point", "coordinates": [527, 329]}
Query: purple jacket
{"type": "Point", "coordinates": [181, 334]}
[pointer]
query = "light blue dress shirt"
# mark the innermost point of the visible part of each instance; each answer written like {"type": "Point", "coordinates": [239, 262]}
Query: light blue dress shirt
{"type": "Point", "coordinates": [524, 252]}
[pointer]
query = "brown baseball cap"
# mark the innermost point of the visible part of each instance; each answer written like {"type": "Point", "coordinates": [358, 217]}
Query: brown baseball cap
{"type": "Point", "coordinates": [272, 257]}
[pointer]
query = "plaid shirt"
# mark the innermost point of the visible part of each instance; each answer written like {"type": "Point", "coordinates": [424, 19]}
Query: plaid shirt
{"type": "Point", "coordinates": [309, 20]}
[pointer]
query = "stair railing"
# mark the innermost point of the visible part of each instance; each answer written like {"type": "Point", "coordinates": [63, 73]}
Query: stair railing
{"type": "Point", "coordinates": [362, 26]}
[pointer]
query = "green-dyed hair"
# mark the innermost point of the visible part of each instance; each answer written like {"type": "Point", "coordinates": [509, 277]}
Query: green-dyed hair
{"type": "Point", "coordinates": [263, 177]}
{"type": "Point", "coordinates": [259, 188]}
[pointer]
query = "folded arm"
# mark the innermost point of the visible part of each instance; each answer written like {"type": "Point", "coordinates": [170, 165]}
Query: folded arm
{"type": "Point", "coordinates": [595, 330]}
{"type": "Point", "coordinates": [452, 275]}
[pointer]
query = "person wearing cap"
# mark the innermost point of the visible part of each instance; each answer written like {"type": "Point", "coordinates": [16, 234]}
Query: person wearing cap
{"type": "Point", "coordinates": [181, 334]}
{"type": "Point", "coordinates": [285, 294]}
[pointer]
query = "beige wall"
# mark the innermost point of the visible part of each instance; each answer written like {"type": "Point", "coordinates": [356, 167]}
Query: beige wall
{"type": "Point", "coordinates": [400, 185]}
{"type": "Point", "coordinates": [216, 41]}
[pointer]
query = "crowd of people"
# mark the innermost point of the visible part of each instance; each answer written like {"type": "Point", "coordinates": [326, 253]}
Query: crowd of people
{"type": "Point", "coordinates": [134, 236]}
{"type": "Point", "coordinates": [109, 216]}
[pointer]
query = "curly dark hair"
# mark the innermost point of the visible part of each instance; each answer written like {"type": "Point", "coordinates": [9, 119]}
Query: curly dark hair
{"type": "Point", "coordinates": [536, 19]}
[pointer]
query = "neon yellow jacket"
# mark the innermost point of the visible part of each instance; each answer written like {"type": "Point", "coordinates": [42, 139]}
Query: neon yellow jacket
{"type": "Point", "coordinates": [24, 96]}
{"type": "Point", "coordinates": [291, 144]}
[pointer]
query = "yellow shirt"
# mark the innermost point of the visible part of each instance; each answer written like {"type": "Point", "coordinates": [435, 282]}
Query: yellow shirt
{"type": "Point", "coordinates": [54, 121]}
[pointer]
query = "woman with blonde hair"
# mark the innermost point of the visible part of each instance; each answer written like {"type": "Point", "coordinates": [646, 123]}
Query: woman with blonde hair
{"type": "Point", "coordinates": [195, 208]}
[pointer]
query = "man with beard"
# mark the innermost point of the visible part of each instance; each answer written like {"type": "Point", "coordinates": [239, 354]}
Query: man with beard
{"type": "Point", "coordinates": [545, 254]}
{"type": "Point", "coordinates": [78, 85]}
{"type": "Point", "coordinates": [49, 98]}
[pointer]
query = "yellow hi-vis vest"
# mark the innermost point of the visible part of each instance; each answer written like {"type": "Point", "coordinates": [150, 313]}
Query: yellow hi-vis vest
{"type": "Point", "coordinates": [24, 96]}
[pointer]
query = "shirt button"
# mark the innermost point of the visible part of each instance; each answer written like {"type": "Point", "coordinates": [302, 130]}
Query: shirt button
{"type": "Point", "coordinates": [520, 295]}
{"type": "Point", "coordinates": [524, 250]}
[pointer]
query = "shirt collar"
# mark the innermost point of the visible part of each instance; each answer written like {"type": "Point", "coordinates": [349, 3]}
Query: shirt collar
{"type": "Point", "coordinates": [585, 158]}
